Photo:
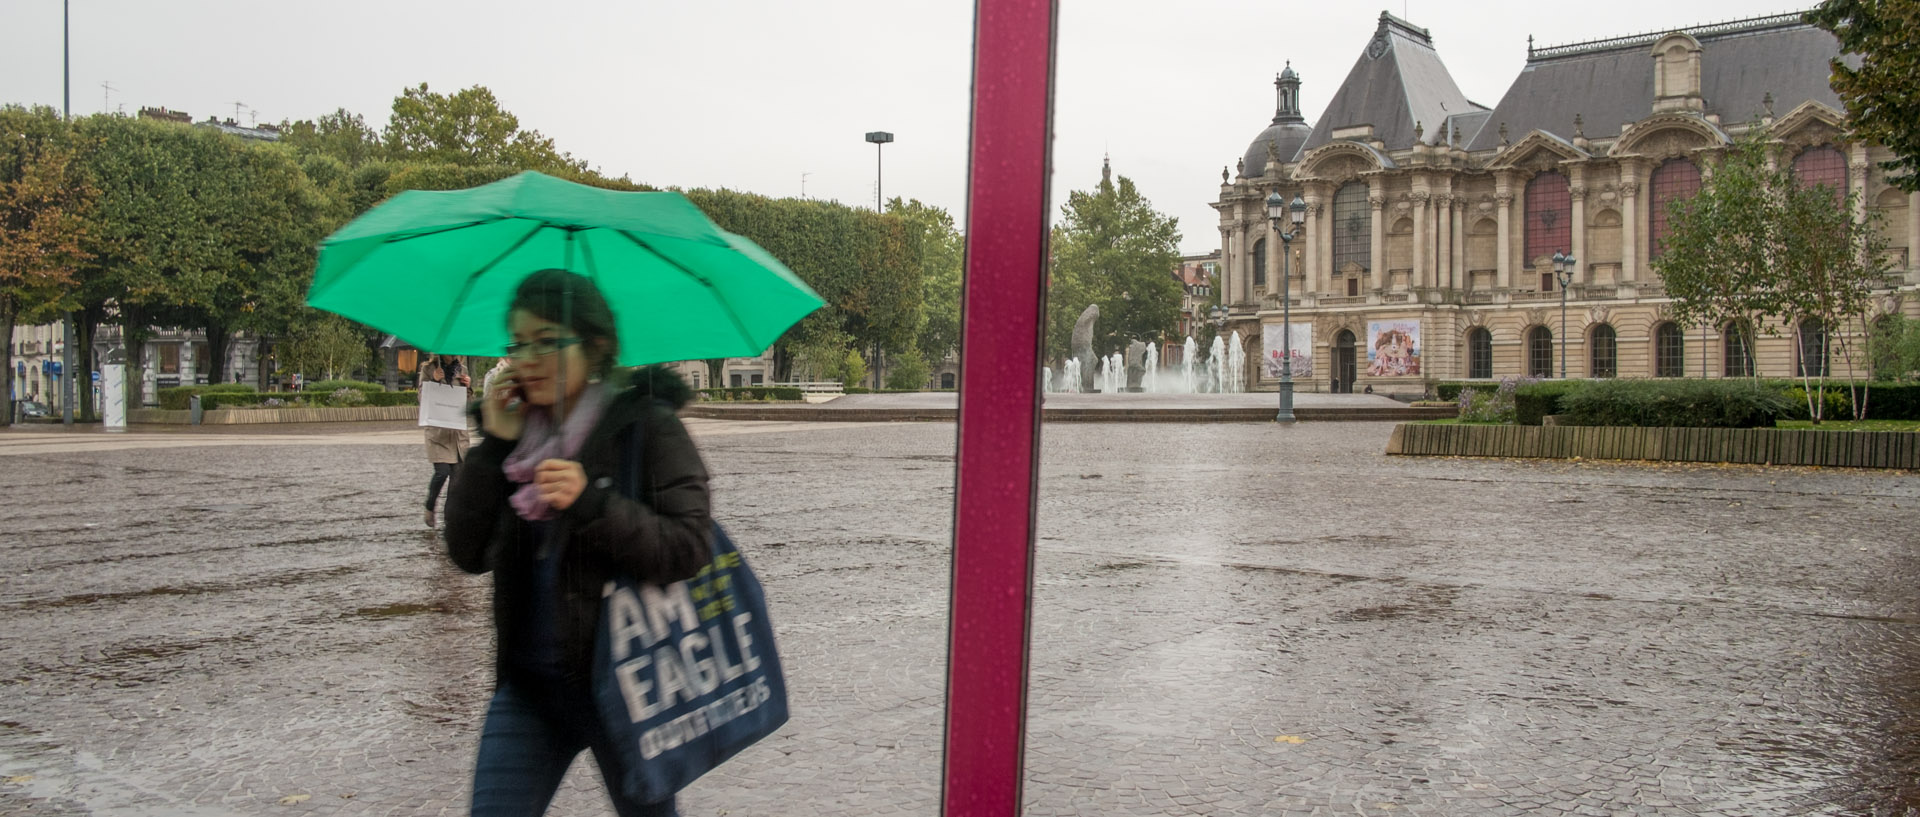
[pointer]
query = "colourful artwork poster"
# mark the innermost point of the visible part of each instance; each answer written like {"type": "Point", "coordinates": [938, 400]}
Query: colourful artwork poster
{"type": "Point", "coordinates": [1393, 348]}
{"type": "Point", "coordinates": [1302, 349]}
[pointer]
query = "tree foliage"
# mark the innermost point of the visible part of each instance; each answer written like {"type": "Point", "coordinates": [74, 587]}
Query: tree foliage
{"type": "Point", "coordinates": [942, 254]}
{"type": "Point", "coordinates": [324, 347]}
{"type": "Point", "coordinates": [1882, 98]}
{"type": "Point", "coordinates": [467, 128]}
{"type": "Point", "coordinates": [44, 205]}
{"type": "Point", "coordinates": [1755, 245]}
{"type": "Point", "coordinates": [866, 266]}
{"type": "Point", "coordinates": [1114, 250]}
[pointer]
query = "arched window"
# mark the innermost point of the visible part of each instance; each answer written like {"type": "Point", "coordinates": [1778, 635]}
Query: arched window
{"type": "Point", "coordinates": [1812, 360]}
{"type": "Point", "coordinates": [1352, 227]}
{"type": "Point", "coordinates": [1603, 359]}
{"type": "Point", "coordinates": [1737, 350]}
{"type": "Point", "coordinates": [1540, 352]}
{"type": "Point", "coordinates": [1676, 180]}
{"type": "Point", "coordinates": [1549, 216]}
{"type": "Point", "coordinates": [1824, 165]}
{"type": "Point", "coordinates": [946, 380]}
{"type": "Point", "coordinates": [1260, 263]}
{"type": "Point", "coordinates": [1669, 351]}
{"type": "Point", "coordinates": [1479, 352]}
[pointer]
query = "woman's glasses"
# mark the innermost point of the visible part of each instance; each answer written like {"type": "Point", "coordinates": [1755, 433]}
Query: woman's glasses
{"type": "Point", "coordinates": [539, 347]}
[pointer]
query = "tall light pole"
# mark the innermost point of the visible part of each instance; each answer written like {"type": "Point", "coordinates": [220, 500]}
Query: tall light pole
{"type": "Point", "coordinates": [67, 389]}
{"type": "Point", "coordinates": [879, 138]}
{"type": "Point", "coordinates": [1296, 214]}
{"type": "Point", "coordinates": [1563, 267]}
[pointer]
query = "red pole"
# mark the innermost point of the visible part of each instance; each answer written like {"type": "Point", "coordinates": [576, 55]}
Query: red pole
{"type": "Point", "coordinates": [999, 430]}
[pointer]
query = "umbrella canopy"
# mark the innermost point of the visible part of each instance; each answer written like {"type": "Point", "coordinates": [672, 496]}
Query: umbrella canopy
{"type": "Point", "coordinates": [439, 269]}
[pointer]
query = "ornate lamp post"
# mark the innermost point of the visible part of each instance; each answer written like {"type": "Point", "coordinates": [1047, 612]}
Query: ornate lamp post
{"type": "Point", "coordinates": [1296, 214]}
{"type": "Point", "coordinates": [1563, 267]}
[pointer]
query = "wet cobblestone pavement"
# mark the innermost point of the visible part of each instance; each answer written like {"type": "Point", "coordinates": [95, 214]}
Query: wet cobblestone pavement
{"type": "Point", "coordinates": [1229, 620]}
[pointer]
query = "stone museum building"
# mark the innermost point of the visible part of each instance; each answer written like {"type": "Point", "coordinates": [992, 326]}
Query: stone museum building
{"type": "Point", "coordinates": [1432, 220]}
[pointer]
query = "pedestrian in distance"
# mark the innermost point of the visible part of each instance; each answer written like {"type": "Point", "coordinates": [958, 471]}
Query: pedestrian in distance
{"type": "Point", "coordinates": [535, 505]}
{"type": "Point", "coordinates": [445, 446]}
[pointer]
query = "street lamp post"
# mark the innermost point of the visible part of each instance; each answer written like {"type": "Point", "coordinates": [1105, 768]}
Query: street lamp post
{"type": "Point", "coordinates": [1563, 267]}
{"type": "Point", "coordinates": [878, 138]}
{"type": "Point", "coordinates": [1296, 214]}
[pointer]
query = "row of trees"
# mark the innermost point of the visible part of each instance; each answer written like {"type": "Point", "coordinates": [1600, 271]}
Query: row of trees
{"type": "Point", "coordinates": [141, 223]}
{"type": "Point", "coordinates": [146, 223]}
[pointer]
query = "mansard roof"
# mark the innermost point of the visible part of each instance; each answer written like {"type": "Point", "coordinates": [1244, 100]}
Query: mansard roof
{"type": "Point", "coordinates": [1398, 82]}
{"type": "Point", "coordinates": [1609, 83]}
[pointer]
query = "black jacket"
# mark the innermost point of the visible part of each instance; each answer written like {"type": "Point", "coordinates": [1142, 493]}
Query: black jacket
{"type": "Point", "coordinates": [666, 538]}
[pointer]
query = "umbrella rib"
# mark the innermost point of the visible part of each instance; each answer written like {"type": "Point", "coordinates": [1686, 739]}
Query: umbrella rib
{"type": "Point", "coordinates": [717, 294]}
{"type": "Point", "coordinates": [447, 325]}
{"type": "Point", "coordinates": [434, 232]}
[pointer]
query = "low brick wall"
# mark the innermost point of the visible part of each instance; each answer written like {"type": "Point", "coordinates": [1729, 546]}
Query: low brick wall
{"type": "Point", "coordinates": [220, 417]}
{"type": "Point", "coordinates": [1760, 446]}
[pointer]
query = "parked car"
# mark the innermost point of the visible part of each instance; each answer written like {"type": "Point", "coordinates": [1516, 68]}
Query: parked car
{"type": "Point", "coordinates": [30, 410]}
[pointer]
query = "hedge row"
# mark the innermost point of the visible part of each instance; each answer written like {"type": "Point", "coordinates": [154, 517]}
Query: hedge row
{"type": "Point", "coordinates": [1668, 403]}
{"type": "Point", "coordinates": [235, 398]}
{"type": "Point", "coordinates": [738, 393]}
{"type": "Point", "coordinates": [865, 390]}
{"type": "Point", "coordinates": [1885, 401]}
{"type": "Point", "coordinates": [178, 397]}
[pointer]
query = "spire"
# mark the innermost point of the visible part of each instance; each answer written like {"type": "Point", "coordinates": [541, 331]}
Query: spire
{"type": "Point", "coordinates": [1106, 170]}
{"type": "Point", "coordinates": [1287, 92]}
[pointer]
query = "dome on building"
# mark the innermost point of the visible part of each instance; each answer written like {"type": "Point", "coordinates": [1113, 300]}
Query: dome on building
{"type": "Point", "coordinates": [1287, 137]}
{"type": "Point", "coordinates": [1287, 133]}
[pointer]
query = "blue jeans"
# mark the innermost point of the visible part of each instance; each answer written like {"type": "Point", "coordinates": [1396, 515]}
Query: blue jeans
{"type": "Point", "coordinates": [525, 750]}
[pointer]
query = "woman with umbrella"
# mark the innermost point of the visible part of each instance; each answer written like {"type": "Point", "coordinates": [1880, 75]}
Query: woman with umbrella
{"type": "Point", "coordinates": [534, 503]}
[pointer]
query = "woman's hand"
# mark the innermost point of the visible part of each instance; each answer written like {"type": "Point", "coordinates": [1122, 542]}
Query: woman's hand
{"type": "Point", "coordinates": [559, 482]}
{"type": "Point", "coordinates": [503, 409]}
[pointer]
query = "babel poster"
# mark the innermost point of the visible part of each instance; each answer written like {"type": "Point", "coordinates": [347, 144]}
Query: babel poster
{"type": "Point", "coordinates": [1302, 349]}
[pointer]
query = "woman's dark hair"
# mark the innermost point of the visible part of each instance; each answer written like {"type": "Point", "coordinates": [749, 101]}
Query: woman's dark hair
{"type": "Point", "coordinates": [545, 295]}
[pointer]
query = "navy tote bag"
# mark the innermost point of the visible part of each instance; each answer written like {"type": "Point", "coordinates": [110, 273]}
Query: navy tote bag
{"type": "Point", "coordinates": [685, 675]}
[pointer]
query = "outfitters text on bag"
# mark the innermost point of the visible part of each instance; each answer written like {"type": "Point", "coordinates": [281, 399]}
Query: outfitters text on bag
{"type": "Point", "coordinates": [715, 649]}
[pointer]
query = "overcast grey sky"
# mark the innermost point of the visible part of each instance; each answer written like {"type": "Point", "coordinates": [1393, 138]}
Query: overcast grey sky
{"type": "Point", "coordinates": [752, 94]}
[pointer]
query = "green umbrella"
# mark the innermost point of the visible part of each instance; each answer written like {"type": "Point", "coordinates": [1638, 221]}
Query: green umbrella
{"type": "Point", "coordinates": [439, 269]}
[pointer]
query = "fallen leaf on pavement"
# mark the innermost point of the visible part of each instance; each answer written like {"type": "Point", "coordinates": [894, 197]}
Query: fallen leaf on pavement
{"type": "Point", "coordinates": [295, 798]}
{"type": "Point", "coordinates": [1293, 739]}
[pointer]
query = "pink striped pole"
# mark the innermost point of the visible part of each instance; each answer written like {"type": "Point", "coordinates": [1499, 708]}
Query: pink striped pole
{"type": "Point", "coordinates": [999, 431]}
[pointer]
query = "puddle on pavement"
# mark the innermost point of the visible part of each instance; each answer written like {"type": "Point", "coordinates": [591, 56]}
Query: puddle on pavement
{"type": "Point", "coordinates": [397, 610]}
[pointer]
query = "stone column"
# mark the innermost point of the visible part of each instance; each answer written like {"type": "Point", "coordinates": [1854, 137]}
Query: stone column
{"type": "Point", "coordinates": [1857, 182]}
{"type": "Point", "coordinates": [1310, 234]}
{"type": "Point", "coordinates": [1422, 264]}
{"type": "Point", "coordinates": [1578, 229]}
{"type": "Point", "coordinates": [1230, 253]}
{"type": "Point", "coordinates": [1503, 211]}
{"type": "Point", "coordinates": [1377, 232]}
{"type": "Point", "coordinates": [1913, 230]}
{"type": "Point", "coordinates": [1443, 270]}
{"type": "Point", "coordinates": [1460, 242]}
{"type": "Point", "coordinates": [1274, 251]}
{"type": "Point", "coordinates": [1629, 221]}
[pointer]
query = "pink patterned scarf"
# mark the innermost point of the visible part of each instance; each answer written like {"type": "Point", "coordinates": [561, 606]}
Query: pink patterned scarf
{"type": "Point", "coordinates": [539, 442]}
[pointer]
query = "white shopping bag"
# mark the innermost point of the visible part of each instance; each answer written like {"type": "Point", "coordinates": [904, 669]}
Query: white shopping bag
{"type": "Point", "coordinates": [443, 406]}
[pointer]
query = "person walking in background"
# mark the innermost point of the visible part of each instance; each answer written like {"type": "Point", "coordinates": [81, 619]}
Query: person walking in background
{"type": "Point", "coordinates": [446, 447]}
{"type": "Point", "coordinates": [535, 505]}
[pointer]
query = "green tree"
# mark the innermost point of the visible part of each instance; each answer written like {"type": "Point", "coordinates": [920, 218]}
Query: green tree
{"type": "Point", "coordinates": [942, 254]}
{"type": "Point", "coordinates": [468, 128]}
{"type": "Point", "coordinates": [342, 135]}
{"type": "Point", "coordinates": [1882, 99]}
{"type": "Point", "coordinates": [324, 347]}
{"type": "Point", "coordinates": [1756, 246]}
{"type": "Point", "coordinates": [908, 370]}
{"type": "Point", "coordinates": [1113, 249]}
{"type": "Point", "coordinates": [44, 203]}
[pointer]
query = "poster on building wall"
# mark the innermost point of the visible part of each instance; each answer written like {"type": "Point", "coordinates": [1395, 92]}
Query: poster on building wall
{"type": "Point", "coordinates": [1393, 348]}
{"type": "Point", "coordinates": [1302, 349]}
